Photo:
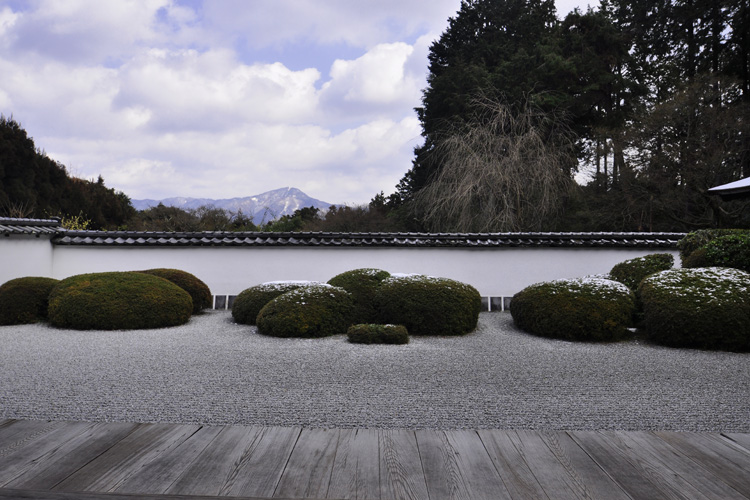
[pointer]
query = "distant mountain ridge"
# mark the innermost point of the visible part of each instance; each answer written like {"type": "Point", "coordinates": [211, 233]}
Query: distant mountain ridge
{"type": "Point", "coordinates": [262, 207]}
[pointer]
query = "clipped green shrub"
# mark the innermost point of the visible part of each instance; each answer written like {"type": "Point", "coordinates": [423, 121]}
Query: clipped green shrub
{"type": "Point", "coordinates": [696, 259]}
{"type": "Point", "coordinates": [118, 301]}
{"type": "Point", "coordinates": [250, 301]}
{"type": "Point", "coordinates": [362, 284]}
{"type": "Point", "coordinates": [631, 272]}
{"type": "Point", "coordinates": [377, 334]}
{"type": "Point", "coordinates": [730, 250]}
{"type": "Point", "coordinates": [311, 311]}
{"type": "Point", "coordinates": [587, 309]}
{"type": "Point", "coordinates": [24, 300]}
{"type": "Point", "coordinates": [696, 239]}
{"type": "Point", "coordinates": [198, 290]}
{"type": "Point", "coordinates": [429, 306]}
{"type": "Point", "coordinates": [704, 308]}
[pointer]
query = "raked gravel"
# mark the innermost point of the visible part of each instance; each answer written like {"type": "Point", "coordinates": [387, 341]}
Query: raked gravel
{"type": "Point", "coordinates": [213, 371]}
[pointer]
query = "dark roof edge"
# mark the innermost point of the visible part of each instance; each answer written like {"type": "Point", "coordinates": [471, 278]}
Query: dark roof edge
{"type": "Point", "coordinates": [321, 239]}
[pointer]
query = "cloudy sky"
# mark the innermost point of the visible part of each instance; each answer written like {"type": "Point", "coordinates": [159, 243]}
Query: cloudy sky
{"type": "Point", "coordinates": [224, 98]}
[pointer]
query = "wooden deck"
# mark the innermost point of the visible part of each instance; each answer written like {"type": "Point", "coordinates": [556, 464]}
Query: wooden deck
{"type": "Point", "coordinates": [80, 460]}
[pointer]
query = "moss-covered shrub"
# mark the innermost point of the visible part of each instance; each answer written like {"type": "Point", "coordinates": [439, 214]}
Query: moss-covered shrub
{"type": "Point", "coordinates": [311, 311]}
{"type": "Point", "coordinates": [118, 301]}
{"type": "Point", "coordinates": [631, 272]}
{"type": "Point", "coordinates": [378, 334]}
{"type": "Point", "coordinates": [429, 306]}
{"type": "Point", "coordinates": [696, 259]}
{"type": "Point", "coordinates": [198, 290]}
{"type": "Point", "coordinates": [705, 308]}
{"type": "Point", "coordinates": [24, 300]}
{"type": "Point", "coordinates": [362, 284]}
{"type": "Point", "coordinates": [250, 301]}
{"type": "Point", "coordinates": [697, 239]}
{"type": "Point", "coordinates": [587, 309]}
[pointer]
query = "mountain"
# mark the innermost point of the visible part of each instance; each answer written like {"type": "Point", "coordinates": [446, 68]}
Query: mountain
{"type": "Point", "coordinates": [263, 207]}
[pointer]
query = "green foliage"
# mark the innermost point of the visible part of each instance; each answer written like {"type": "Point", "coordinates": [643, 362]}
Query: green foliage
{"type": "Point", "coordinates": [118, 301]}
{"type": "Point", "coordinates": [697, 239]}
{"type": "Point", "coordinates": [585, 309]}
{"type": "Point", "coordinates": [309, 312]}
{"type": "Point", "coordinates": [42, 186]}
{"type": "Point", "coordinates": [24, 300]}
{"type": "Point", "coordinates": [198, 290]}
{"type": "Point", "coordinates": [706, 308]}
{"type": "Point", "coordinates": [429, 306]}
{"type": "Point", "coordinates": [250, 301]}
{"type": "Point", "coordinates": [730, 250]}
{"type": "Point", "coordinates": [378, 334]}
{"type": "Point", "coordinates": [362, 284]}
{"type": "Point", "coordinates": [631, 272]}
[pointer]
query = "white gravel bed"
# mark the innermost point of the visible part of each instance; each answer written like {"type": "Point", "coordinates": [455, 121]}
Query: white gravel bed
{"type": "Point", "coordinates": [212, 371]}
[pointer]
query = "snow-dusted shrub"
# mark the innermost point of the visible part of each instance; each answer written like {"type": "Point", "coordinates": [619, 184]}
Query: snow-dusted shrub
{"type": "Point", "coordinates": [362, 284]}
{"type": "Point", "coordinates": [704, 308]}
{"type": "Point", "coordinates": [311, 311]}
{"type": "Point", "coordinates": [429, 306]}
{"type": "Point", "coordinates": [631, 272]}
{"type": "Point", "coordinates": [250, 301]}
{"type": "Point", "coordinates": [24, 300]}
{"type": "Point", "coordinates": [588, 309]}
{"type": "Point", "coordinates": [377, 334]}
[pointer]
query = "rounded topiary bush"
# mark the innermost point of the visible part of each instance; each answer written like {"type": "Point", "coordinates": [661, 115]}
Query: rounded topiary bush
{"type": "Point", "coordinates": [311, 311]}
{"type": "Point", "coordinates": [588, 309]}
{"type": "Point", "coordinates": [631, 272]}
{"type": "Point", "coordinates": [697, 239]}
{"type": "Point", "coordinates": [378, 334]}
{"type": "Point", "coordinates": [429, 306]}
{"type": "Point", "coordinates": [198, 290]}
{"type": "Point", "coordinates": [704, 308]}
{"type": "Point", "coordinates": [24, 300]}
{"type": "Point", "coordinates": [362, 284]}
{"type": "Point", "coordinates": [118, 301]}
{"type": "Point", "coordinates": [731, 250]}
{"type": "Point", "coordinates": [250, 301]}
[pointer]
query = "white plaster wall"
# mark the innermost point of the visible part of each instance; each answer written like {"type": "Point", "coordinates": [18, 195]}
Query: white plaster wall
{"type": "Point", "coordinates": [229, 270]}
{"type": "Point", "coordinates": [22, 255]}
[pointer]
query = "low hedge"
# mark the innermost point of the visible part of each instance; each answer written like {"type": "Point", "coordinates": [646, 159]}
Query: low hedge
{"type": "Point", "coordinates": [118, 301]}
{"type": "Point", "coordinates": [250, 301]}
{"type": "Point", "coordinates": [198, 290]}
{"type": "Point", "coordinates": [429, 306]}
{"type": "Point", "coordinates": [586, 309]}
{"type": "Point", "coordinates": [631, 272]}
{"type": "Point", "coordinates": [703, 308]}
{"type": "Point", "coordinates": [377, 334]}
{"type": "Point", "coordinates": [730, 250]}
{"type": "Point", "coordinates": [362, 284]}
{"type": "Point", "coordinates": [309, 312]}
{"type": "Point", "coordinates": [25, 300]}
{"type": "Point", "coordinates": [697, 239]}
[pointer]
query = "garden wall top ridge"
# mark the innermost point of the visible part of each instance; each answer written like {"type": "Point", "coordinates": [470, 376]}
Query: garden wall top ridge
{"type": "Point", "coordinates": [320, 239]}
{"type": "Point", "coordinates": [15, 225]}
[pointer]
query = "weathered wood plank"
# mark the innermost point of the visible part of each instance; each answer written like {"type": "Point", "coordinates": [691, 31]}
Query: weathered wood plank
{"type": "Point", "coordinates": [356, 469]}
{"type": "Point", "coordinates": [456, 466]}
{"type": "Point", "coordinates": [308, 472]}
{"type": "Point", "coordinates": [12, 494]}
{"type": "Point", "coordinates": [546, 467]}
{"type": "Point", "coordinates": [210, 470]}
{"type": "Point", "coordinates": [518, 479]}
{"type": "Point", "coordinates": [636, 475]}
{"type": "Point", "coordinates": [588, 479]}
{"type": "Point", "coordinates": [61, 462]}
{"type": "Point", "coordinates": [162, 472]}
{"type": "Point", "coordinates": [141, 447]}
{"type": "Point", "coordinates": [401, 474]}
{"type": "Point", "coordinates": [721, 459]}
{"type": "Point", "coordinates": [680, 472]}
{"type": "Point", "coordinates": [15, 433]}
{"type": "Point", "coordinates": [24, 458]}
{"type": "Point", "coordinates": [740, 439]}
{"type": "Point", "coordinates": [260, 468]}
